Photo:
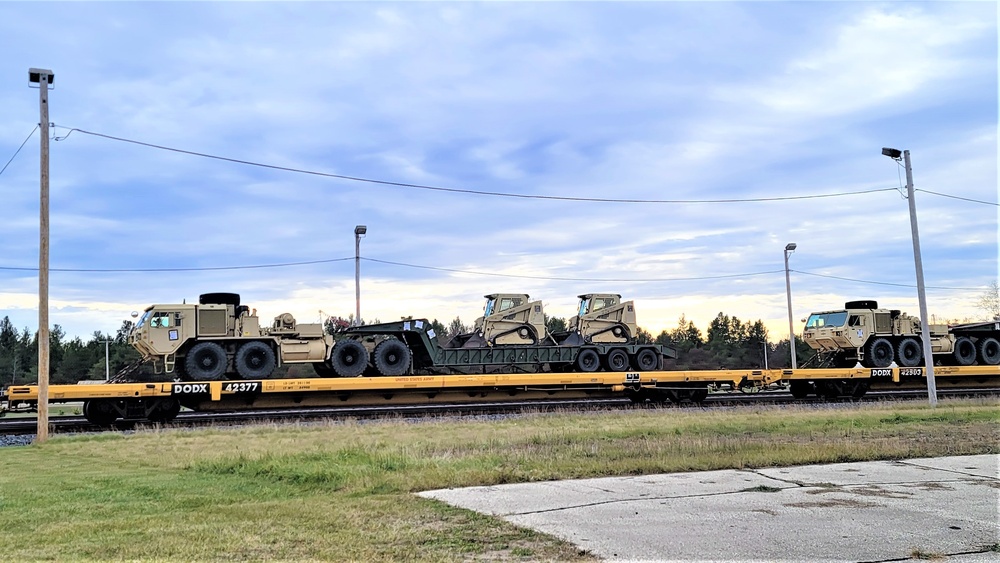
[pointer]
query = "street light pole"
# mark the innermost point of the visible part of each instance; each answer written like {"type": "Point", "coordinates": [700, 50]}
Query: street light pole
{"type": "Point", "coordinates": [43, 78]}
{"type": "Point", "coordinates": [107, 362]}
{"type": "Point", "coordinates": [789, 248]}
{"type": "Point", "coordinates": [359, 232]}
{"type": "Point", "coordinates": [925, 333]}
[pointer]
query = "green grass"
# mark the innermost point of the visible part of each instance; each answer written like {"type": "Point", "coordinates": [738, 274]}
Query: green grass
{"type": "Point", "coordinates": [343, 491]}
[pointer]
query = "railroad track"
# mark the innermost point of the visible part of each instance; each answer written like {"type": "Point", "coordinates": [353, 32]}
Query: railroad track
{"type": "Point", "coordinates": [77, 424]}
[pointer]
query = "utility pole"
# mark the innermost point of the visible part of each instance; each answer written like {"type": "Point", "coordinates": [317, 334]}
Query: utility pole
{"type": "Point", "coordinates": [107, 362]}
{"type": "Point", "coordinates": [789, 248]}
{"type": "Point", "coordinates": [925, 333]}
{"type": "Point", "coordinates": [43, 78]}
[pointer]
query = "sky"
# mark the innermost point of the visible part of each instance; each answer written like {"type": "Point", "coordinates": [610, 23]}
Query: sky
{"type": "Point", "coordinates": [665, 151]}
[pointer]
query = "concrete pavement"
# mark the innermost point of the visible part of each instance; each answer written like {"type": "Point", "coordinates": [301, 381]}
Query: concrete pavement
{"type": "Point", "coordinates": [873, 511]}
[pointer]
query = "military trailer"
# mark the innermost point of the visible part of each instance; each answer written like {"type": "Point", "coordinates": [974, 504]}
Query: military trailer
{"type": "Point", "coordinates": [219, 338]}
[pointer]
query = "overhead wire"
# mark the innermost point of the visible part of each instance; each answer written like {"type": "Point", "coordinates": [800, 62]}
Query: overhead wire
{"type": "Point", "coordinates": [993, 203]}
{"type": "Point", "coordinates": [18, 149]}
{"type": "Point", "coordinates": [468, 191]}
{"type": "Point", "coordinates": [882, 283]}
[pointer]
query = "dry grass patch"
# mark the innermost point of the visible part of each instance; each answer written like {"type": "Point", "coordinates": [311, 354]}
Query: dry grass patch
{"type": "Point", "coordinates": [341, 491]}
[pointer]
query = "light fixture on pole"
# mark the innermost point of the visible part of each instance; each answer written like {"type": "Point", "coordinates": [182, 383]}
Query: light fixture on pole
{"type": "Point", "coordinates": [925, 333]}
{"type": "Point", "coordinates": [789, 248]}
{"type": "Point", "coordinates": [359, 232]}
{"type": "Point", "coordinates": [43, 78]}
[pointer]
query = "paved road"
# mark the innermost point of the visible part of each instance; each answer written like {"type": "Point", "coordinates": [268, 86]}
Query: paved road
{"type": "Point", "coordinates": [876, 511]}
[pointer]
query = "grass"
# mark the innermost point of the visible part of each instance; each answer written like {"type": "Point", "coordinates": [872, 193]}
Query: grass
{"type": "Point", "coordinates": [343, 491]}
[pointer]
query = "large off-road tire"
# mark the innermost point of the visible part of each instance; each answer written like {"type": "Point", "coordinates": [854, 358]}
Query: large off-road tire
{"type": "Point", "coordinates": [617, 360]}
{"type": "Point", "coordinates": [647, 360]}
{"type": "Point", "coordinates": [588, 360]}
{"type": "Point", "coordinates": [255, 360]}
{"type": "Point", "coordinates": [988, 351]}
{"type": "Point", "coordinates": [349, 358]}
{"type": "Point", "coordinates": [964, 353]}
{"type": "Point", "coordinates": [323, 370]}
{"type": "Point", "coordinates": [391, 357]}
{"type": "Point", "coordinates": [909, 352]}
{"type": "Point", "coordinates": [205, 361]}
{"type": "Point", "coordinates": [878, 353]}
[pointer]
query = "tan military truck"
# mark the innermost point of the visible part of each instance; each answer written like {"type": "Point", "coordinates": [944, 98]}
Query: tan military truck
{"type": "Point", "coordinates": [219, 337]}
{"type": "Point", "coordinates": [863, 333]}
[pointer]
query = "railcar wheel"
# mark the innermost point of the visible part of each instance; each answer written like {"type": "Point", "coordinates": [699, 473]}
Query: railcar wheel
{"type": "Point", "coordinates": [165, 411]}
{"type": "Point", "coordinates": [860, 388]}
{"type": "Point", "coordinates": [391, 357]}
{"type": "Point", "coordinates": [587, 360]}
{"type": "Point", "coordinates": [964, 353]}
{"type": "Point", "coordinates": [255, 360]}
{"type": "Point", "coordinates": [647, 360]}
{"type": "Point", "coordinates": [909, 352]}
{"type": "Point", "coordinates": [205, 361]}
{"type": "Point", "coordinates": [349, 358]}
{"type": "Point", "coordinates": [698, 395]}
{"type": "Point", "coordinates": [617, 360]}
{"type": "Point", "coordinates": [878, 353]}
{"type": "Point", "coordinates": [988, 351]}
{"type": "Point", "coordinates": [100, 412]}
{"type": "Point", "coordinates": [800, 389]}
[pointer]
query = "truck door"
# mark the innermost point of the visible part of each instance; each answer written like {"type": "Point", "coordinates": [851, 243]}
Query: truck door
{"type": "Point", "coordinates": [165, 331]}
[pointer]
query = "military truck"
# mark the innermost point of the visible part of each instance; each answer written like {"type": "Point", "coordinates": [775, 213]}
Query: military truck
{"type": "Point", "coordinates": [875, 338]}
{"type": "Point", "coordinates": [220, 338]}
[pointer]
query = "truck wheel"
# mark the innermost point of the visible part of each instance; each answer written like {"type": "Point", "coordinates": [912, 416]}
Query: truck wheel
{"type": "Point", "coordinates": [909, 352]}
{"type": "Point", "coordinates": [617, 360]}
{"type": "Point", "coordinates": [964, 353]}
{"type": "Point", "coordinates": [878, 353]}
{"type": "Point", "coordinates": [391, 357]}
{"type": "Point", "coordinates": [587, 360]}
{"type": "Point", "coordinates": [349, 358]}
{"type": "Point", "coordinates": [255, 360]}
{"type": "Point", "coordinates": [205, 361]}
{"type": "Point", "coordinates": [988, 351]}
{"type": "Point", "coordinates": [647, 360]}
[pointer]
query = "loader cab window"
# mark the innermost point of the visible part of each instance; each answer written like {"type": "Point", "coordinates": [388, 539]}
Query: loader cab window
{"type": "Point", "coordinates": [160, 320]}
{"type": "Point", "coordinates": [602, 303]}
{"type": "Point", "coordinates": [584, 304]}
{"type": "Point", "coordinates": [490, 304]}
{"type": "Point", "coordinates": [820, 320]}
{"type": "Point", "coordinates": [508, 303]}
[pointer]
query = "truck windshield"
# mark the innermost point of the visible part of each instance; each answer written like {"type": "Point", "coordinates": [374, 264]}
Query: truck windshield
{"type": "Point", "coordinates": [142, 320]}
{"type": "Point", "coordinates": [820, 320]}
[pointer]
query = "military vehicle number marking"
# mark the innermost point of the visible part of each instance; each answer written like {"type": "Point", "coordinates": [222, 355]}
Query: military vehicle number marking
{"type": "Point", "coordinates": [241, 387]}
{"type": "Point", "coordinates": [911, 372]}
{"type": "Point", "coordinates": [882, 372]}
{"type": "Point", "coordinates": [188, 388]}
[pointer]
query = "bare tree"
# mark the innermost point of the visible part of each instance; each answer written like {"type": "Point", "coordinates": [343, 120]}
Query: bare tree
{"type": "Point", "coordinates": [989, 301]}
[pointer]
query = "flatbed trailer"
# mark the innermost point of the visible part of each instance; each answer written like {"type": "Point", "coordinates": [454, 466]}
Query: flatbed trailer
{"type": "Point", "coordinates": [104, 404]}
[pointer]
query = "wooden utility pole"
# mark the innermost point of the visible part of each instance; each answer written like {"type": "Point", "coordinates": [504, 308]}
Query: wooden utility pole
{"type": "Point", "coordinates": [43, 78]}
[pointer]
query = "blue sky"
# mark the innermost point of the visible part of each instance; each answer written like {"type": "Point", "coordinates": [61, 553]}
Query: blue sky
{"type": "Point", "coordinates": [641, 101]}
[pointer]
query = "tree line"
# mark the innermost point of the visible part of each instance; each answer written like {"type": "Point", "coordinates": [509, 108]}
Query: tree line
{"type": "Point", "coordinates": [729, 343]}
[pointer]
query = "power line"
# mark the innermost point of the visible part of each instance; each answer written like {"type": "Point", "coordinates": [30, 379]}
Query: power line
{"type": "Point", "coordinates": [19, 149]}
{"type": "Point", "coordinates": [214, 268]}
{"type": "Point", "coordinates": [466, 191]}
{"type": "Point", "coordinates": [883, 283]}
{"type": "Point", "coordinates": [556, 278]}
{"type": "Point", "coordinates": [958, 197]}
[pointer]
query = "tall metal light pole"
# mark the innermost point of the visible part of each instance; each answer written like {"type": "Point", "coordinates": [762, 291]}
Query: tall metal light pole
{"type": "Point", "coordinates": [925, 333]}
{"type": "Point", "coordinates": [43, 78]}
{"type": "Point", "coordinates": [789, 248]}
{"type": "Point", "coordinates": [107, 362]}
{"type": "Point", "coordinates": [359, 232]}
